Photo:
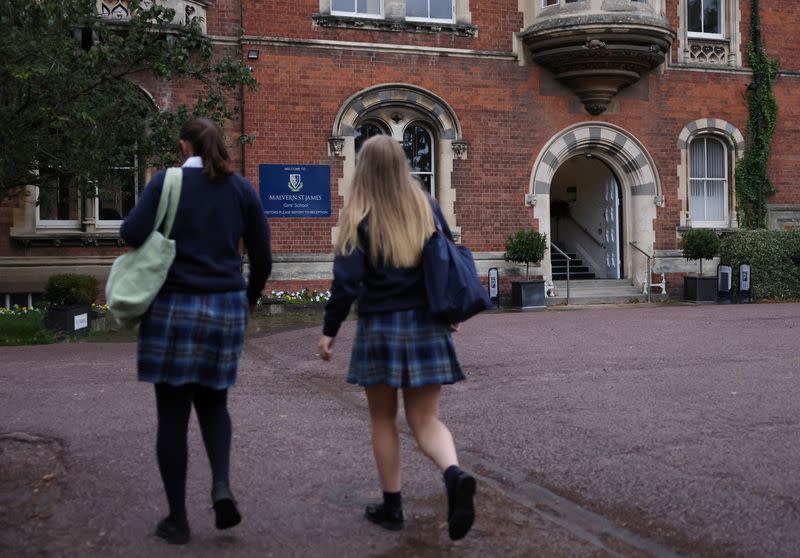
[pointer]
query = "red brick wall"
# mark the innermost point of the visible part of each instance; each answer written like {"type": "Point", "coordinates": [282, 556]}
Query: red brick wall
{"type": "Point", "coordinates": [496, 23]}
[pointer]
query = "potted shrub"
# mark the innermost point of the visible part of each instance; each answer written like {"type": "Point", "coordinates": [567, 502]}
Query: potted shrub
{"type": "Point", "coordinates": [70, 297]}
{"type": "Point", "coordinates": [526, 246]}
{"type": "Point", "coordinates": [700, 244]}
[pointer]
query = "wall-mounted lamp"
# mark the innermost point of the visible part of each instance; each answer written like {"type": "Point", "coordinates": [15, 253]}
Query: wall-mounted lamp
{"type": "Point", "coordinates": [252, 55]}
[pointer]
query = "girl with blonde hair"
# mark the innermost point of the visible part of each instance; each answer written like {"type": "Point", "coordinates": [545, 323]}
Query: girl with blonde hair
{"type": "Point", "coordinates": [382, 231]}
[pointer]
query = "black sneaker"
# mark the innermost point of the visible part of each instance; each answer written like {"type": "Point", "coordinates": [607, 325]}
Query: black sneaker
{"type": "Point", "coordinates": [460, 505]}
{"type": "Point", "coordinates": [174, 532]}
{"type": "Point", "coordinates": [378, 514]}
{"type": "Point", "coordinates": [226, 514]}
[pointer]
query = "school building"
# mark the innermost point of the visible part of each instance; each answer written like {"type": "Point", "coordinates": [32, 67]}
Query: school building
{"type": "Point", "coordinates": [610, 125]}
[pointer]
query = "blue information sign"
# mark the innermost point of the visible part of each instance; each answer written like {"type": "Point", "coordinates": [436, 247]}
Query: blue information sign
{"type": "Point", "coordinates": [295, 190]}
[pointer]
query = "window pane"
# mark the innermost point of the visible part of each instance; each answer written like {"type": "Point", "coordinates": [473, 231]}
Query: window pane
{"type": "Point", "coordinates": [441, 9]}
{"type": "Point", "coordinates": [715, 199]}
{"type": "Point", "coordinates": [711, 16]}
{"type": "Point", "coordinates": [697, 159]}
{"type": "Point", "coordinates": [697, 200]}
{"type": "Point", "coordinates": [715, 153]}
{"type": "Point", "coordinates": [546, 3]}
{"type": "Point", "coordinates": [343, 5]}
{"type": "Point", "coordinates": [59, 200]}
{"type": "Point", "coordinates": [417, 8]}
{"type": "Point", "coordinates": [695, 16]}
{"type": "Point", "coordinates": [118, 195]}
{"type": "Point", "coordinates": [417, 145]}
{"type": "Point", "coordinates": [372, 7]}
{"type": "Point", "coordinates": [364, 132]}
{"type": "Point", "coordinates": [426, 181]}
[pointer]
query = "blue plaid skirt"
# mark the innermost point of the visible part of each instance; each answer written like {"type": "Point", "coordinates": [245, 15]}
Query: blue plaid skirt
{"type": "Point", "coordinates": [188, 338]}
{"type": "Point", "coordinates": [407, 348]}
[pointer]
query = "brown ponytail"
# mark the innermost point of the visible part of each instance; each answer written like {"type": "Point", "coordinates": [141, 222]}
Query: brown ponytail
{"type": "Point", "coordinates": [205, 138]}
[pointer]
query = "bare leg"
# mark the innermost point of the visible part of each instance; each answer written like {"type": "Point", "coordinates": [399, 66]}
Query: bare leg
{"type": "Point", "coordinates": [385, 438]}
{"type": "Point", "coordinates": [422, 412]}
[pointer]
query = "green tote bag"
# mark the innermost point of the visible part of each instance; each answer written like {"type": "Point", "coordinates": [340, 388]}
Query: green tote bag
{"type": "Point", "coordinates": [137, 276]}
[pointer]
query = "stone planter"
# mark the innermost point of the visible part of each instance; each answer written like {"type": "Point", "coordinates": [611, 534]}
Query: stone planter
{"type": "Point", "coordinates": [700, 289]}
{"type": "Point", "coordinates": [528, 295]}
{"type": "Point", "coordinates": [75, 318]}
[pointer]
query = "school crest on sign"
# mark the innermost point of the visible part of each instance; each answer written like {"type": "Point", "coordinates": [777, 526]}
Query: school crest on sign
{"type": "Point", "coordinates": [295, 182]}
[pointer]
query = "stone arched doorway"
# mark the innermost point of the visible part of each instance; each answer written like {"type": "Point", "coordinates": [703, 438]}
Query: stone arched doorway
{"type": "Point", "coordinates": [609, 168]}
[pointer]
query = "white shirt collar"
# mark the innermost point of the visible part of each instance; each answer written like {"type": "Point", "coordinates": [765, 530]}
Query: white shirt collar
{"type": "Point", "coordinates": [193, 162]}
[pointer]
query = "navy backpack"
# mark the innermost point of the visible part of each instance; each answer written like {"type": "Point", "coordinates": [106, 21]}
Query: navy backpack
{"type": "Point", "coordinates": [455, 292]}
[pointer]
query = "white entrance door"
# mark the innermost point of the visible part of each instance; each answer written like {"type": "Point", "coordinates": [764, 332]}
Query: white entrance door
{"type": "Point", "coordinates": [611, 228]}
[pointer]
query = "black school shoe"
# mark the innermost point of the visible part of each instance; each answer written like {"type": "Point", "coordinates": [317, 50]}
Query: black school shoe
{"type": "Point", "coordinates": [226, 514]}
{"type": "Point", "coordinates": [378, 514]}
{"type": "Point", "coordinates": [460, 505]}
{"type": "Point", "coordinates": [172, 531]}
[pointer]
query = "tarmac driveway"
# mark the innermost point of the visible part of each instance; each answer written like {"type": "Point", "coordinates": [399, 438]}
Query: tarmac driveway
{"type": "Point", "coordinates": [629, 431]}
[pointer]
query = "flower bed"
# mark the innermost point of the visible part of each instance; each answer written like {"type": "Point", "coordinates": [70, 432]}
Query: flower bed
{"type": "Point", "coordinates": [278, 302]}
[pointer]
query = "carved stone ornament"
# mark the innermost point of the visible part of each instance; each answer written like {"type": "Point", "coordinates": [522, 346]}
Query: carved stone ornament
{"type": "Point", "coordinates": [530, 200]}
{"type": "Point", "coordinates": [460, 149]}
{"type": "Point", "coordinates": [597, 54]}
{"type": "Point", "coordinates": [658, 200]}
{"type": "Point", "coordinates": [336, 146]}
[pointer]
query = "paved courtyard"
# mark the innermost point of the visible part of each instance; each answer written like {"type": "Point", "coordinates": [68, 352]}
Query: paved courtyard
{"type": "Point", "coordinates": [619, 431]}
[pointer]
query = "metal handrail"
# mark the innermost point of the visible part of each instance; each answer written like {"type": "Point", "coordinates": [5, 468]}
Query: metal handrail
{"type": "Point", "coordinates": [649, 268]}
{"type": "Point", "coordinates": [568, 260]}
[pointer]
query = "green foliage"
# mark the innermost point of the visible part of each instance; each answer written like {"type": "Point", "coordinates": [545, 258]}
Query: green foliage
{"type": "Point", "coordinates": [525, 246]}
{"type": "Point", "coordinates": [774, 259]}
{"type": "Point", "coordinates": [700, 244]}
{"type": "Point", "coordinates": [68, 102]}
{"type": "Point", "coordinates": [67, 288]}
{"type": "Point", "coordinates": [753, 185]}
{"type": "Point", "coordinates": [23, 327]}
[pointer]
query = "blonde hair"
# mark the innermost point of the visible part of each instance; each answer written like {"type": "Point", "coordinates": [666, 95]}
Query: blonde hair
{"type": "Point", "coordinates": [400, 216]}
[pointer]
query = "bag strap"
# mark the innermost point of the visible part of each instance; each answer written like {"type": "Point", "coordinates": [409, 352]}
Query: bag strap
{"type": "Point", "coordinates": [168, 203]}
{"type": "Point", "coordinates": [437, 221]}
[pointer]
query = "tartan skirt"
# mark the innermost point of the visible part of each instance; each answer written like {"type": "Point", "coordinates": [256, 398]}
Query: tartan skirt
{"type": "Point", "coordinates": [406, 348]}
{"type": "Point", "coordinates": [188, 338]}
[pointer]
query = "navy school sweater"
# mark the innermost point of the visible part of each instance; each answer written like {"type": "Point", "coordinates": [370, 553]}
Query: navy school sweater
{"type": "Point", "coordinates": [377, 288]}
{"type": "Point", "coordinates": [211, 220]}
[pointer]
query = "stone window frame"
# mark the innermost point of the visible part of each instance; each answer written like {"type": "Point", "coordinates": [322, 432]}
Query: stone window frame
{"type": "Point", "coordinates": [733, 140]}
{"type": "Point", "coordinates": [711, 51]}
{"type": "Point", "coordinates": [726, 179]}
{"type": "Point", "coordinates": [89, 207]}
{"type": "Point", "coordinates": [397, 106]}
{"type": "Point", "coordinates": [394, 19]}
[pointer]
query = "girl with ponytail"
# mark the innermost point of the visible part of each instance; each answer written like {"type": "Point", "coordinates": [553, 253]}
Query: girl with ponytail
{"type": "Point", "coordinates": [191, 336]}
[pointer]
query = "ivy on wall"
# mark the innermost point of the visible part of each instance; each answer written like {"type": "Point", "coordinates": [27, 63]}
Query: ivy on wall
{"type": "Point", "coordinates": [753, 185]}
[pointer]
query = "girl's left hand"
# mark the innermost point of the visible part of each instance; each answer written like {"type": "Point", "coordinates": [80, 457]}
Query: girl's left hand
{"type": "Point", "coordinates": [454, 327]}
{"type": "Point", "coordinates": [326, 347]}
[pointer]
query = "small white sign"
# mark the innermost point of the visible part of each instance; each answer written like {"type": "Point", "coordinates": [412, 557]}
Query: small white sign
{"type": "Point", "coordinates": [744, 278]}
{"type": "Point", "coordinates": [494, 286]}
{"type": "Point", "coordinates": [81, 321]}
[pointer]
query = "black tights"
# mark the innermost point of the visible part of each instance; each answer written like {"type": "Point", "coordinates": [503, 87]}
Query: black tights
{"type": "Point", "coordinates": [174, 404]}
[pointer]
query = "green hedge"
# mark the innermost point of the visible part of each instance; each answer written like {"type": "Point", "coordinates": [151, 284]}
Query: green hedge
{"type": "Point", "coordinates": [67, 288]}
{"type": "Point", "coordinates": [774, 258]}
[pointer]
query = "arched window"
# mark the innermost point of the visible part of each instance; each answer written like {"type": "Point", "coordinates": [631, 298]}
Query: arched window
{"type": "Point", "coordinates": [366, 131]}
{"type": "Point", "coordinates": [418, 145]}
{"type": "Point", "coordinates": [708, 182]}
